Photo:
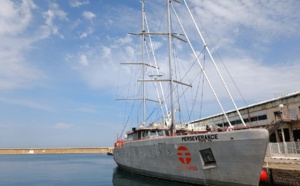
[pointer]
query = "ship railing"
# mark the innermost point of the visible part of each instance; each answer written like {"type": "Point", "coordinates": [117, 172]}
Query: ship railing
{"type": "Point", "coordinates": [119, 143]}
{"type": "Point", "coordinates": [283, 150]}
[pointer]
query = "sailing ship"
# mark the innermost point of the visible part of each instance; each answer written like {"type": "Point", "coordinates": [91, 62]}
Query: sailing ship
{"type": "Point", "coordinates": [180, 151]}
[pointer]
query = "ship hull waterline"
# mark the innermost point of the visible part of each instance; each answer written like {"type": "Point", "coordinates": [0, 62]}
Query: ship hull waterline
{"type": "Point", "coordinates": [223, 158]}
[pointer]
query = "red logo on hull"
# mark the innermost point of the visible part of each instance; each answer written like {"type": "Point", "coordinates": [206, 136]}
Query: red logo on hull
{"type": "Point", "coordinates": [184, 155]}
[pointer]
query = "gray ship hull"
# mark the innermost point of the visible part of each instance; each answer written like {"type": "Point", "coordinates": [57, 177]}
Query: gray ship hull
{"type": "Point", "coordinates": [225, 158]}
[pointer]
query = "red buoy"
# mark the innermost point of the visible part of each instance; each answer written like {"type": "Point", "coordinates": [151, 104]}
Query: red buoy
{"type": "Point", "coordinates": [263, 176]}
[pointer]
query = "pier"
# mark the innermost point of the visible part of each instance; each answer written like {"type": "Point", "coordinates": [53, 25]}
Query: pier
{"type": "Point", "coordinates": [282, 163]}
{"type": "Point", "coordinates": [87, 150]}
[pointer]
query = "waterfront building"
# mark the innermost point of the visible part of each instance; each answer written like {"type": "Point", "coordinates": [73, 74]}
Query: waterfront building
{"type": "Point", "coordinates": [280, 115]}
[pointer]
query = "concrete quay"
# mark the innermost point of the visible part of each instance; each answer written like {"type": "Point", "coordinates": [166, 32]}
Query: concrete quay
{"type": "Point", "coordinates": [283, 170]}
{"type": "Point", "coordinates": [102, 150]}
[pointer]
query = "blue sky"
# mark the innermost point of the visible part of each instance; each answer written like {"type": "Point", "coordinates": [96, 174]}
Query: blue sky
{"type": "Point", "coordinates": [59, 62]}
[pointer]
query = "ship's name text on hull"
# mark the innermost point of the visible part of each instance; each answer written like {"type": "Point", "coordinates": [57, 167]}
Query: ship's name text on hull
{"type": "Point", "coordinates": [208, 137]}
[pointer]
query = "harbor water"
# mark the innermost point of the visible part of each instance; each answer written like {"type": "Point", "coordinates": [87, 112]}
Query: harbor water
{"type": "Point", "coordinates": [67, 170]}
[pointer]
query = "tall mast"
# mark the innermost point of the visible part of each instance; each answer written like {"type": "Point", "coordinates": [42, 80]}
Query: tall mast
{"type": "Point", "coordinates": [170, 65]}
{"type": "Point", "coordinates": [143, 61]}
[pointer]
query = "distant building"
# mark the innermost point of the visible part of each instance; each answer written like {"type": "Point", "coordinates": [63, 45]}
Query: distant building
{"type": "Point", "coordinates": [281, 116]}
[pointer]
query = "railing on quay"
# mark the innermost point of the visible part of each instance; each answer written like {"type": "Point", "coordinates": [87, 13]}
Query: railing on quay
{"type": "Point", "coordinates": [284, 149]}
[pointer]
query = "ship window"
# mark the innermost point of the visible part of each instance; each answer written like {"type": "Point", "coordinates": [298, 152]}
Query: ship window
{"type": "Point", "coordinates": [152, 133]}
{"type": "Point", "coordinates": [263, 117]}
{"type": "Point", "coordinates": [130, 137]}
{"type": "Point", "coordinates": [238, 121]}
{"type": "Point", "coordinates": [134, 136]}
{"type": "Point", "coordinates": [167, 132]}
{"type": "Point", "coordinates": [207, 157]}
{"type": "Point", "coordinates": [146, 133]}
{"type": "Point", "coordinates": [160, 133]}
{"type": "Point", "coordinates": [254, 119]}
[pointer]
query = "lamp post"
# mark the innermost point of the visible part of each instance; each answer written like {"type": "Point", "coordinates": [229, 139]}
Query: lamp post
{"type": "Point", "coordinates": [281, 106]}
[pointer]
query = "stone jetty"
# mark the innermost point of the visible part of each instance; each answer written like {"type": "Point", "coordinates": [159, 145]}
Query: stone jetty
{"type": "Point", "coordinates": [102, 150]}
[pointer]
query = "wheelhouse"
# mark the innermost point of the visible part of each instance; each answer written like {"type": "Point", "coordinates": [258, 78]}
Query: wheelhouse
{"type": "Point", "coordinates": [146, 133]}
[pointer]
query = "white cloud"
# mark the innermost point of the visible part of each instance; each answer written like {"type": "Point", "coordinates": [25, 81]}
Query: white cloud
{"type": "Point", "coordinates": [106, 52]}
{"type": "Point", "coordinates": [257, 26]}
{"type": "Point", "coordinates": [227, 22]}
{"type": "Point", "coordinates": [15, 72]}
{"type": "Point", "coordinates": [108, 23]}
{"type": "Point", "coordinates": [26, 103]}
{"type": "Point", "coordinates": [83, 35]}
{"type": "Point", "coordinates": [88, 15]}
{"type": "Point", "coordinates": [83, 60]}
{"type": "Point", "coordinates": [264, 21]}
{"type": "Point", "coordinates": [89, 31]}
{"type": "Point", "coordinates": [256, 81]}
{"type": "Point", "coordinates": [50, 17]}
{"type": "Point", "coordinates": [99, 63]}
{"type": "Point", "coordinates": [58, 12]}
{"type": "Point", "coordinates": [76, 3]}
{"type": "Point", "coordinates": [259, 82]}
{"type": "Point", "coordinates": [14, 19]}
{"type": "Point", "coordinates": [124, 40]}
{"type": "Point", "coordinates": [88, 109]}
{"type": "Point", "coordinates": [62, 126]}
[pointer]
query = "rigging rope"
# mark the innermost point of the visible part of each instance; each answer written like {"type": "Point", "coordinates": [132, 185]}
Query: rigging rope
{"type": "Point", "coordinates": [219, 56]}
{"type": "Point", "coordinates": [201, 102]}
{"type": "Point", "coordinates": [196, 95]}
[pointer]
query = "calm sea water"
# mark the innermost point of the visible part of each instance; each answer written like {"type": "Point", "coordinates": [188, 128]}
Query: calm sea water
{"type": "Point", "coordinates": [69, 169]}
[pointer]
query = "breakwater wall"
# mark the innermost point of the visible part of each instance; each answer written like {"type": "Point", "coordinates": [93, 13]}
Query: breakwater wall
{"type": "Point", "coordinates": [102, 150]}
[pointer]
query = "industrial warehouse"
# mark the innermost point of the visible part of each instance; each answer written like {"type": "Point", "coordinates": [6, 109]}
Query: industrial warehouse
{"type": "Point", "coordinates": [279, 115]}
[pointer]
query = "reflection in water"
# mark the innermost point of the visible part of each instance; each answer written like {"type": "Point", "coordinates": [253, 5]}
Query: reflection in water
{"type": "Point", "coordinates": [124, 178]}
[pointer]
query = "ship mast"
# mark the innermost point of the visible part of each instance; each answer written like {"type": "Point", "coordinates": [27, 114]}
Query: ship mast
{"type": "Point", "coordinates": [170, 67]}
{"type": "Point", "coordinates": [172, 115]}
{"type": "Point", "coordinates": [143, 61]}
{"type": "Point", "coordinates": [171, 80]}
